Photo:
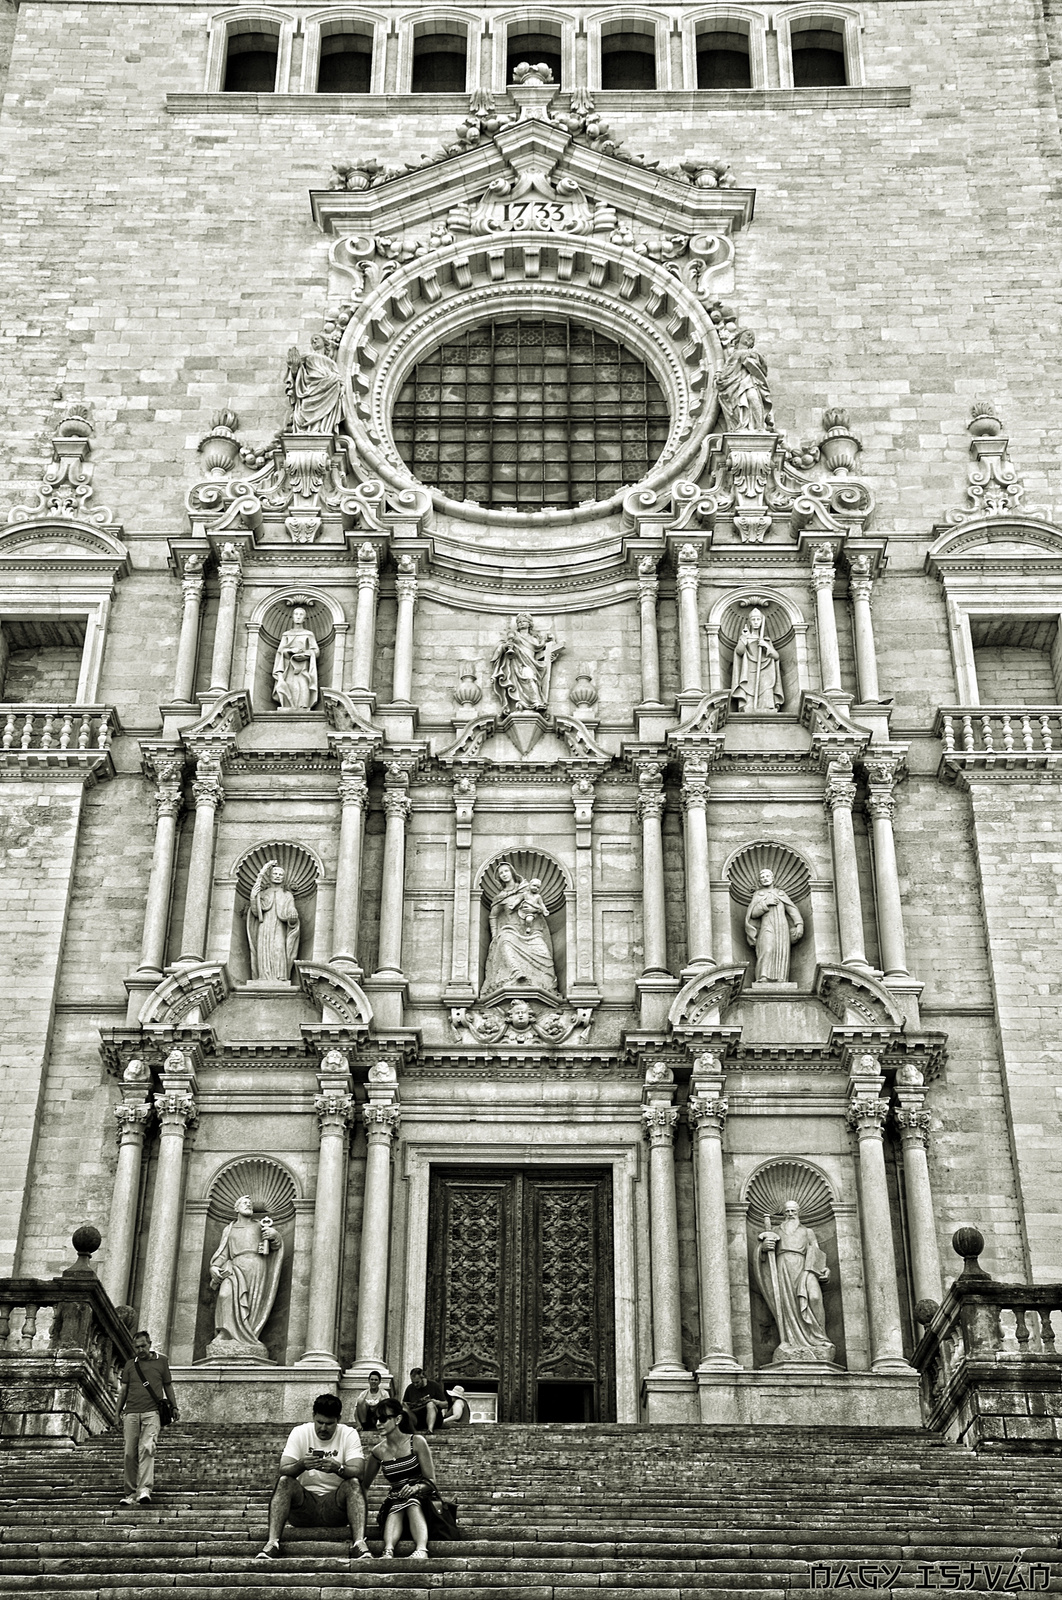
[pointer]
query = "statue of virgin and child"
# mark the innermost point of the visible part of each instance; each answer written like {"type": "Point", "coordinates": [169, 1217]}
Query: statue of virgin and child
{"type": "Point", "coordinates": [520, 953]}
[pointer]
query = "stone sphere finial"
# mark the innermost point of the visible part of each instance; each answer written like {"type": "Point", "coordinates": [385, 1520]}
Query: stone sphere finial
{"type": "Point", "coordinates": [925, 1311]}
{"type": "Point", "coordinates": [86, 1240]}
{"type": "Point", "coordinates": [968, 1243]}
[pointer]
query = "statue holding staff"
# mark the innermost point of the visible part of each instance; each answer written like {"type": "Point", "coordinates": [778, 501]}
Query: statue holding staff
{"type": "Point", "coordinates": [273, 926]}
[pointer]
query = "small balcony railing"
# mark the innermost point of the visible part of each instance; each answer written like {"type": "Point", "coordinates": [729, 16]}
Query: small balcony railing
{"type": "Point", "coordinates": [1001, 736]}
{"type": "Point", "coordinates": [55, 735]}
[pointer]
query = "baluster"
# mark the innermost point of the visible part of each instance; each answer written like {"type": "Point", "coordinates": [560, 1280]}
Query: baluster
{"type": "Point", "coordinates": [1008, 735]}
{"type": "Point", "coordinates": [967, 733]}
{"type": "Point", "coordinates": [66, 732]}
{"type": "Point", "coordinates": [29, 1327]}
{"type": "Point", "coordinates": [27, 731]}
{"type": "Point", "coordinates": [106, 732]}
{"type": "Point", "coordinates": [1047, 1332]}
{"type": "Point", "coordinates": [1026, 733]}
{"type": "Point", "coordinates": [986, 728]}
{"type": "Point", "coordinates": [46, 731]}
{"type": "Point", "coordinates": [1021, 1328]}
{"type": "Point", "coordinates": [83, 733]}
{"type": "Point", "coordinates": [9, 730]}
{"type": "Point", "coordinates": [5, 1324]}
{"type": "Point", "coordinates": [1045, 724]}
{"type": "Point", "coordinates": [949, 735]}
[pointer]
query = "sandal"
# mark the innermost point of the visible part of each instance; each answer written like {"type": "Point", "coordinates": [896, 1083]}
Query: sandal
{"type": "Point", "coordinates": [270, 1553]}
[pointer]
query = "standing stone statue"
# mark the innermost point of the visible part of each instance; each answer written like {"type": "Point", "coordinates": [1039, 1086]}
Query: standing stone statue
{"type": "Point", "coordinates": [295, 666]}
{"type": "Point", "coordinates": [314, 387]}
{"type": "Point", "coordinates": [790, 1268]}
{"type": "Point", "coordinates": [521, 946]}
{"type": "Point", "coordinates": [245, 1271]}
{"type": "Point", "coordinates": [772, 924]}
{"type": "Point", "coordinates": [756, 677]}
{"type": "Point", "coordinates": [273, 926]}
{"type": "Point", "coordinates": [742, 386]}
{"type": "Point", "coordinates": [521, 666]}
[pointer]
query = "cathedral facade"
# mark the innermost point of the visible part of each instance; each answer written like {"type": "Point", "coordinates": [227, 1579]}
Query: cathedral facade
{"type": "Point", "coordinates": [532, 690]}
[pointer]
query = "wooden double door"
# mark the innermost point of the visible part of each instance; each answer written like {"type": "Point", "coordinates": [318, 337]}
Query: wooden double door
{"type": "Point", "coordinates": [520, 1290]}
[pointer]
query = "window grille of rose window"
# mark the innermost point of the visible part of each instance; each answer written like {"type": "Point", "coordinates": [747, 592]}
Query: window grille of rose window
{"type": "Point", "coordinates": [530, 415]}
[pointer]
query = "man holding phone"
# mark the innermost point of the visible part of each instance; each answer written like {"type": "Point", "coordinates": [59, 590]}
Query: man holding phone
{"type": "Point", "coordinates": [319, 1486]}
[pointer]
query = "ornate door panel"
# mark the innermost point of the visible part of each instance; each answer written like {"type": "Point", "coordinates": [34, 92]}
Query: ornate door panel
{"type": "Point", "coordinates": [520, 1290]}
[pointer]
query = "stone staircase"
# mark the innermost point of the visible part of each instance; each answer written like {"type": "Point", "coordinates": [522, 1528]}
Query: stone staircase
{"type": "Point", "coordinates": [551, 1512]}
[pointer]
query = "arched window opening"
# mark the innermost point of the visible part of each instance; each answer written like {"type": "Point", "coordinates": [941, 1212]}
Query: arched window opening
{"type": "Point", "coordinates": [346, 63]}
{"type": "Point", "coordinates": [251, 62]}
{"type": "Point", "coordinates": [535, 42]}
{"type": "Point", "coordinates": [628, 56]}
{"type": "Point", "coordinates": [723, 60]}
{"type": "Point", "coordinates": [440, 61]}
{"type": "Point", "coordinates": [818, 57]}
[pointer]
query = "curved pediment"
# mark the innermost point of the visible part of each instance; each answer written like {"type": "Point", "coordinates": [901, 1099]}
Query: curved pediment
{"type": "Point", "coordinates": [1006, 541]}
{"type": "Point", "coordinates": [704, 1001]}
{"type": "Point", "coordinates": [187, 994]}
{"type": "Point", "coordinates": [856, 999]}
{"type": "Point", "coordinates": [61, 544]}
{"type": "Point", "coordinates": [340, 999]}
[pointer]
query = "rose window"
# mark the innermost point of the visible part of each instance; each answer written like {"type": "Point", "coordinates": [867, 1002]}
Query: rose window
{"type": "Point", "coordinates": [526, 414]}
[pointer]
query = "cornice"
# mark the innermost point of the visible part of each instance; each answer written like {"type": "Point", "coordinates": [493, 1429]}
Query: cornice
{"type": "Point", "coordinates": [385, 106]}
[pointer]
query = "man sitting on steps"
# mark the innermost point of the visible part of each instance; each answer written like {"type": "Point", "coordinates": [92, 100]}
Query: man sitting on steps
{"type": "Point", "coordinates": [321, 1469]}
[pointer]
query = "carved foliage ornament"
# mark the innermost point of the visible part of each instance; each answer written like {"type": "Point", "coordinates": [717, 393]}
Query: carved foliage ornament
{"type": "Point", "coordinates": [521, 1022]}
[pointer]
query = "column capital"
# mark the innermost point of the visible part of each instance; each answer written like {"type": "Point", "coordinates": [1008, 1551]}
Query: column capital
{"type": "Point", "coordinates": [230, 566]}
{"type": "Point", "coordinates": [840, 784]}
{"type": "Point", "coordinates": [381, 1122]}
{"type": "Point", "coordinates": [695, 790]}
{"type": "Point", "coordinates": [132, 1118]}
{"type": "Point", "coordinates": [707, 1114]}
{"type": "Point", "coordinates": [659, 1123]}
{"type": "Point", "coordinates": [176, 1110]}
{"type": "Point", "coordinates": [651, 798]}
{"type": "Point", "coordinates": [335, 1110]}
{"type": "Point", "coordinates": [687, 569]}
{"type": "Point", "coordinates": [865, 1114]}
{"type": "Point", "coordinates": [368, 569]}
{"type": "Point", "coordinates": [353, 792]}
{"type": "Point", "coordinates": [208, 789]}
{"type": "Point", "coordinates": [398, 804]}
{"type": "Point", "coordinates": [859, 587]}
{"type": "Point", "coordinates": [648, 583]}
{"type": "Point", "coordinates": [885, 770]}
{"type": "Point", "coordinates": [914, 1125]}
{"type": "Point", "coordinates": [192, 580]}
{"type": "Point", "coordinates": [822, 567]}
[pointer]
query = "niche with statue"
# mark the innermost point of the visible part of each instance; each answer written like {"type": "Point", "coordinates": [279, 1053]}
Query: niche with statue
{"type": "Point", "coordinates": [771, 915]}
{"type": "Point", "coordinates": [758, 658]}
{"type": "Point", "coordinates": [296, 647]}
{"type": "Point", "coordinates": [245, 1282]}
{"type": "Point", "coordinates": [796, 1313]}
{"type": "Point", "coordinates": [274, 913]}
{"type": "Point", "coordinates": [522, 927]}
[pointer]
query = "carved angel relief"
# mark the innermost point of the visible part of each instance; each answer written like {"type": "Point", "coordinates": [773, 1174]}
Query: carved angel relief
{"type": "Point", "coordinates": [521, 1022]}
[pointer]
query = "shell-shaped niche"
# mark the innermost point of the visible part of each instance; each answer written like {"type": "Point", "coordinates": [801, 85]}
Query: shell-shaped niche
{"type": "Point", "coordinates": [780, 1181]}
{"type": "Point", "coordinates": [790, 872]}
{"type": "Point", "coordinates": [528, 864]}
{"type": "Point", "coordinates": [271, 1189]}
{"type": "Point", "coordinates": [300, 868]}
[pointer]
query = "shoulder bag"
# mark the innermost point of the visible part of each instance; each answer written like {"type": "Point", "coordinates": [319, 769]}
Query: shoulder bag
{"type": "Point", "coordinates": [162, 1405]}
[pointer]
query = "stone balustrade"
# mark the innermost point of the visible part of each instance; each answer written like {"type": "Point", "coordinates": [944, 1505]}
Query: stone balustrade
{"type": "Point", "coordinates": [62, 1347]}
{"type": "Point", "coordinates": [1017, 736]}
{"type": "Point", "coordinates": [990, 1360]}
{"type": "Point", "coordinates": [55, 735]}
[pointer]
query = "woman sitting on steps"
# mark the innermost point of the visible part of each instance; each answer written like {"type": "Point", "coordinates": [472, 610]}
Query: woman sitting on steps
{"type": "Point", "coordinates": [407, 1465]}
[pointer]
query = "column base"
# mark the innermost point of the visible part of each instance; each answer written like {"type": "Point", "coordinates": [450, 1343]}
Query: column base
{"type": "Point", "coordinates": [320, 1359]}
{"type": "Point", "coordinates": [892, 1364]}
{"type": "Point", "coordinates": [716, 1361]}
{"type": "Point", "coordinates": [669, 1394]}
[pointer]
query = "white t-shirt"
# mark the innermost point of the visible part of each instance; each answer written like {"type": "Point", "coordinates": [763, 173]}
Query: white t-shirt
{"type": "Point", "coordinates": [341, 1449]}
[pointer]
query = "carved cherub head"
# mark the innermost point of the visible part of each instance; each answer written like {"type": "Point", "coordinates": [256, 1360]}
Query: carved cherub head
{"type": "Point", "coordinates": [520, 1014]}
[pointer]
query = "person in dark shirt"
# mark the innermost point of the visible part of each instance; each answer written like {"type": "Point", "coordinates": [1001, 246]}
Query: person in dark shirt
{"type": "Point", "coordinates": [425, 1401]}
{"type": "Point", "coordinates": [138, 1407]}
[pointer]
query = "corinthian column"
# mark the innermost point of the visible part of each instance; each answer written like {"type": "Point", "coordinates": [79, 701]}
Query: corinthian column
{"type": "Point", "coordinates": [406, 589]}
{"type": "Point", "coordinates": [883, 774]}
{"type": "Point", "coordinates": [829, 655]}
{"type": "Point", "coordinates": [353, 800]}
{"type": "Point", "coordinates": [209, 796]}
{"type": "Point", "coordinates": [167, 768]}
{"type": "Point", "coordinates": [687, 583]}
{"type": "Point", "coordinates": [866, 1114]}
{"type": "Point", "coordinates": [647, 591]}
{"type": "Point", "coordinates": [176, 1111]}
{"type": "Point", "coordinates": [365, 620]}
{"type": "Point", "coordinates": [187, 648]}
{"type": "Point", "coordinates": [381, 1117]}
{"type": "Point", "coordinates": [132, 1117]}
{"type": "Point", "coordinates": [861, 587]}
{"type": "Point", "coordinates": [230, 578]}
{"type": "Point", "coordinates": [706, 1113]}
{"type": "Point", "coordinates": [399, 808]}
{"type": "Point", "coordinates": [659, 1119]}
{"type": "Point", "coordinates": [695, 793]}
{"type": "Point", "coordinates": [913, 1122]}
{"type": "Point", "coordinates": [334, 1105]}
{"type": "Point", "coordinates": [650, 803]}
{"type": "Point", "coordinates": [839, 800]}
